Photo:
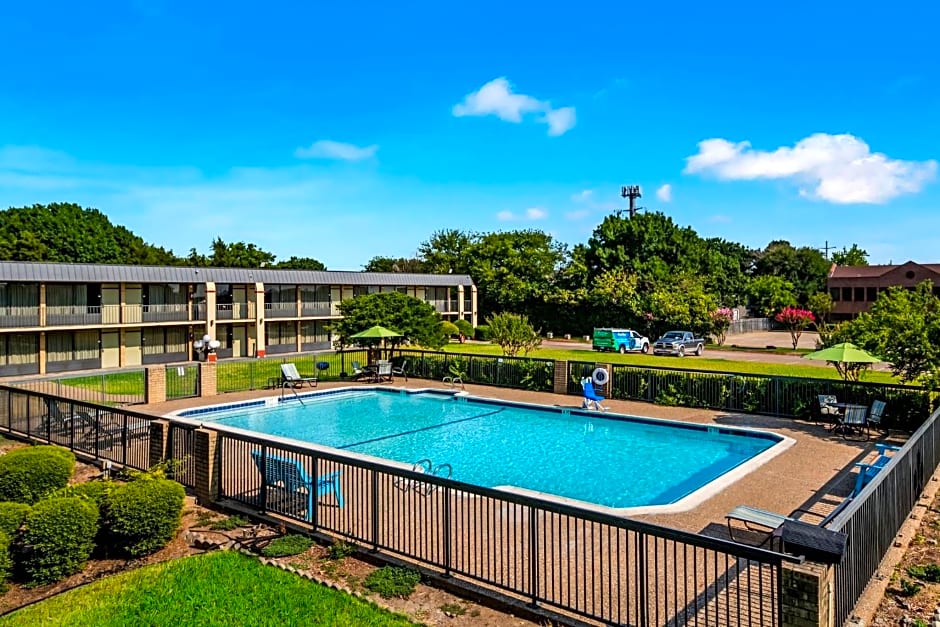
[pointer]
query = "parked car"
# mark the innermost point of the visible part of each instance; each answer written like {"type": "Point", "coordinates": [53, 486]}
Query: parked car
{"type": "Point", "coordinates": [679, 343]}
{"type": "Point", "coordinates": [620, 340]}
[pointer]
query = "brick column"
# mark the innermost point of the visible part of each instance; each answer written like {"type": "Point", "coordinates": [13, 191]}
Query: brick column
{"type": "Point", "coordinates": [807, 595]}
{"type": "Point", "coordinates": [159, 440]}
{"type": "Point", "coordinates": [207, 378]}
{"type": "Point", "coordinates": [561, 377]}
{"type": "Point", "coordinates": [208, 469]}
{"type": "Point", "coordinates": [155, 382]}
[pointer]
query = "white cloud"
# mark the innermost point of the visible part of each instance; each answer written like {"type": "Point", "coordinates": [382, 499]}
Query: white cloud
{"type": "Point", "coordinates": [327, 149]}
{"type": "Point", "coordinates": [497, 98]}
{"type": "Point", "coordinates": [836, 168]}
{"type": "Point", "coordinates": [536, 213]}
{"type": "Point", "coordinates": [532, 213]}
{"type": "Point", "coordinates": [664, 193]}
{"type": "Point", "coordinates": [560, 121]}
{"type": "Point", "coordinates": [583, 196]}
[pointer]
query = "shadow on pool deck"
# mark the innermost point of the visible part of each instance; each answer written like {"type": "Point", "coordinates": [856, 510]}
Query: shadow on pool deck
{"type": "Point", "coordinates": [816, 473]}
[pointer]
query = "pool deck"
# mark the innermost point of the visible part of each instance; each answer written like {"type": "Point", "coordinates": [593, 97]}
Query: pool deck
{"type": "Point", "coordinates": [816, 473]}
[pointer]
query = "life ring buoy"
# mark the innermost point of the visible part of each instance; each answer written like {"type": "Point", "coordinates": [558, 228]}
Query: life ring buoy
{"type": "Point", "coordinates": [600, 376]}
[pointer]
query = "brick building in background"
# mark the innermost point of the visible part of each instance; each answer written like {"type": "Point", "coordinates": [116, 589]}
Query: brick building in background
{"type": "Point", "coordinates": [855, 288]}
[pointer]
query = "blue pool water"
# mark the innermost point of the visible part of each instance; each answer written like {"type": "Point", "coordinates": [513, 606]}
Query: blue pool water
{"type": "Point", "coordinates": [613, 461]}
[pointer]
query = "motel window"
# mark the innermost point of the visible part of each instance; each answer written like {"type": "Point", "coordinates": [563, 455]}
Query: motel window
{"type": "Point", "coordinates": [859, 294]}
{"type": "Point", "coordinates": [19, 348]}
{"type": "Point", "coordinates": [847, 293]}
{"type": "Point", "coordinates": [834, 292]}
{"type": "Point", "coordinates": [281, 333]}
{"type": "Point", "coordinates": [164, 294]}
{"type": "Point", "coordinates": [280, 293]}
{"type": "Point", "coordinates": [871, 294]}
{"type": "Point", "coordinates": [223, 294]}
{"type": "Point", "coordinates": [315, 293]}
{"type": "Point", "coordinates": [19, 295]}
{"type": "Point", "coordinates": [360, 290]}
{"type": "Point", "coordinates": [313, 331]}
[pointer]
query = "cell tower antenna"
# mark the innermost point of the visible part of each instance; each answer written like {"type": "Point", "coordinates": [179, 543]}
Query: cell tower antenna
{"type": "Point", "coordinates": [632, 192]}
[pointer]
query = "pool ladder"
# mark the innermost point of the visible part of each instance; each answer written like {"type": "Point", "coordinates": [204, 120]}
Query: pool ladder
{"type": "Point", "coordinates": [453, 382]}
{"type": "Point", "coordinates": [424, 467]}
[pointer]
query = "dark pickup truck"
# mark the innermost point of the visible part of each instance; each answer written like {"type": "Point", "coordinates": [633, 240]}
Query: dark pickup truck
{"type": "Point", "coordinates": [679, 343]}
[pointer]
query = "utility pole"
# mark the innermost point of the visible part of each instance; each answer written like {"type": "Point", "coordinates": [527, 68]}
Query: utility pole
{"type": "Point", "coordinates": [632, 192]}
{"type": "Point", "coordinates": [826, 249]}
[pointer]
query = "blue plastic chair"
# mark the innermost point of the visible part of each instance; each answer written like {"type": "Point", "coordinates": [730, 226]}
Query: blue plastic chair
{"type": "Point", "coordinates": [867, 472]}
{"type": "Point", "coordinates": [289, 474]}
{"type": "Point", "coordinates": [590, 395]}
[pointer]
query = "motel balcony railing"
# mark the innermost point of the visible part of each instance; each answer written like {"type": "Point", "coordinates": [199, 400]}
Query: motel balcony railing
{"type": "Point", "coordinates": [165, 313]}
{"type": "Point", "coordinates": [280, 310]}
{"type": "Point", "coordinates": [19, 316]}
{"type": "Point", "coordinates": [444, 306]}
{"type": "Point", "coordinates": [234, 311]}
{"type": "Point", "coordinates": [316, 309]}
{"type": "Point", "coordinates": [63, 315]}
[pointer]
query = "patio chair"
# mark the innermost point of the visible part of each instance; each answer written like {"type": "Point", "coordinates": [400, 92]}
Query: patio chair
{"type": "Point", "coordinates": [854, 421]}
{"type": "Point", "coordinates": [289, 476]}
{"type": "Point", "coordinates": [875, 414]}
{"type": "Point", "coordinates": [361, 373]}
{"type": "Point", "coordinates": [867, 472]}
{"type": "Point", "coordinates": [383, 371]}
{"type": "Point", "coordinates": [57, 420]}
{"type": "Point", "coordinates": [290, 377]}
{"type": "Point", "coordinates": [590, 396]}
{"type": "Point", "coordinates": [402, 370]}
{"type": "Point", "coordinates": [110, 429]}
{"type": "Point", "coordinates": [827, 409]}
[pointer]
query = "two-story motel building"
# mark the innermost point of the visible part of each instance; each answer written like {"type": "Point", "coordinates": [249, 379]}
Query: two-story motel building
{"type": "Point", "coordinates": [57, 317]}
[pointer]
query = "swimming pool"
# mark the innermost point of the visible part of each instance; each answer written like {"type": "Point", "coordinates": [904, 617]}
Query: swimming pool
{"type": "Point", "coordinates": [620, 462]}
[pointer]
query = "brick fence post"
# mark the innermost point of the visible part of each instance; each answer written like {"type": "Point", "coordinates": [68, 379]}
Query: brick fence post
{"type": "Point", "coordinates": [807, 595]}
{"type": "Point", "coordinates": [207, 462]}
{"type": "Point", "coordinates": [561, 377]}
{"type": "Point", "coordinates": [159, 441]}
{"type": "Point", "coordinates": [155, 379]}
{"type": "Point", "coordinates": [208, 381]}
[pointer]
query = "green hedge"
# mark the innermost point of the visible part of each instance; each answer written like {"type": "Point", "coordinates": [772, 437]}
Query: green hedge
{"type": "Point", "coordinates": [12, 516]}
{"type": "Point", "coordinates": [6, 561]}
{"type": "Point", "coordinates": [28, 474]}
{"type": "Point", "coordinates": [56, 540]}
{"type": "Point", "coordinates": [142, 516]}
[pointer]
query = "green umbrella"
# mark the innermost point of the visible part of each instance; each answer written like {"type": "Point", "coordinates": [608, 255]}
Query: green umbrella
{"type": "Point", "coordinates": [843, 353]}
{"type": "Point", "coordinates": [846, 357]}
{"type": "Point", "coordinates": [375, 333]}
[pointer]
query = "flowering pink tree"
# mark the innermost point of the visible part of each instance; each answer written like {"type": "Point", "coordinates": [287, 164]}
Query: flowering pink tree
{"type": "Point", "coordinates": [721, 322]}
{"type": "Point", "coordinates": [795, 320]}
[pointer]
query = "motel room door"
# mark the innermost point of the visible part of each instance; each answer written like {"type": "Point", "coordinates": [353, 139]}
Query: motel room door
{"type": "Point", "coordinates": [110, 349]}
{"type": "Point", "coordinates": [239, 341]}
{"type": "Point", "coordinates": [110, 304]}
{"type": "Point", "coordinates": [133, 355]}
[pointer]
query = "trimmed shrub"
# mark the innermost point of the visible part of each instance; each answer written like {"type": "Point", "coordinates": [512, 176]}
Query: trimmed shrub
{"type": "Point", "coordinates": [12, 516]}
{"type": "Point", "coordinates": [96, 491]}
{"type": "Point", "coordinates": [464, 326]}
{"type": "Point", "coordinates": [143, 516]}
{"type": "Point", "coordinates": [31, 473]}
{"type": "Point", "coordinates": [57, 539]}
{"type": "Point", "coordinates": [482, 333]}
{"type": "Point", "coordinates": [6, 562]}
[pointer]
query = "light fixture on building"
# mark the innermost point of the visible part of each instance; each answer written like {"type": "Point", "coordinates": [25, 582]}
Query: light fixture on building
{"type": "Point", "coordinates": [207, 347]}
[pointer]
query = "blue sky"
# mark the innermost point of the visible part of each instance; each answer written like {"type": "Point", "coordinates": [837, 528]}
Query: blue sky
{"type": "Point", "coordinates": [344, 132]}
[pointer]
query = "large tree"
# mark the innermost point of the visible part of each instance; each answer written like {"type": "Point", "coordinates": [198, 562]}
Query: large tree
{"type": "Point", "coordinates": [447, 252]}
{"type": "Point", "coordinates": [417, 321]}
{"type": "Point", "coordinates": [854, 256]}
{"type": "Point", "coordinates": [805, 268]}
{"type": "Point", "coordinates": [300, 263]}
{"type": "Point", "coordinates": [391, 264]}
{"type": "Point", "coordinates": [69, 233]}
{"type": "Point", "coordinates": [235, 255]}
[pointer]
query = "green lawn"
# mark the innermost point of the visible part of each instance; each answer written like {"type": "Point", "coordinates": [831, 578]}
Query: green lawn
{"type": "Point", "coordinates": [686, 363]}
{"type": "Point", "coordinates": [223, 588]}
{"type": "Point", "coordinates": [113, 383]}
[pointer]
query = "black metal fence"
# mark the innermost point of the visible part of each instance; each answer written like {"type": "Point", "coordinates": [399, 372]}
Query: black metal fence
{"type": "Point", "coordinates": [240, 375]}
{"type": "Point", "coordinates": [182, 381]}
{"type": "Point", "coordinates": [116, 387]}
{"type": "Point", "coordinates": [793, 397]}
{"type": "Point", "coordinates": [610, 569]}
{"type": "Point", "coordinates": [526, 373]}
{"type": "Point", "coordinates": [874, 517]}
{"type": "Point", "coordinates": [101, 431]}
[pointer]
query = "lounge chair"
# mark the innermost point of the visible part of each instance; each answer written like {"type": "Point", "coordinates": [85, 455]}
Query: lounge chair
{"type": "Point", "coordinates": [361, 373]}
{"type": "Point", "coordinates": [590, 396]}
{"type": "Point", "coordinates": [109, 429]}
{"type": "Point", "coordinates": [402, 370]}
{"type": "Point", "coordinates": [289, 475]}
{"type": "Point", "coordinates": [770, 521]}
{"type": "Point", "coordinates": [56, 420]}
{"type": "Point", "coordinates": [290, 377]}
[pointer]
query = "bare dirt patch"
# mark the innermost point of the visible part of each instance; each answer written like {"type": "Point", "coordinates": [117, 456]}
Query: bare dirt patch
{"type": "Point", "coordinates": [913, 593]}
